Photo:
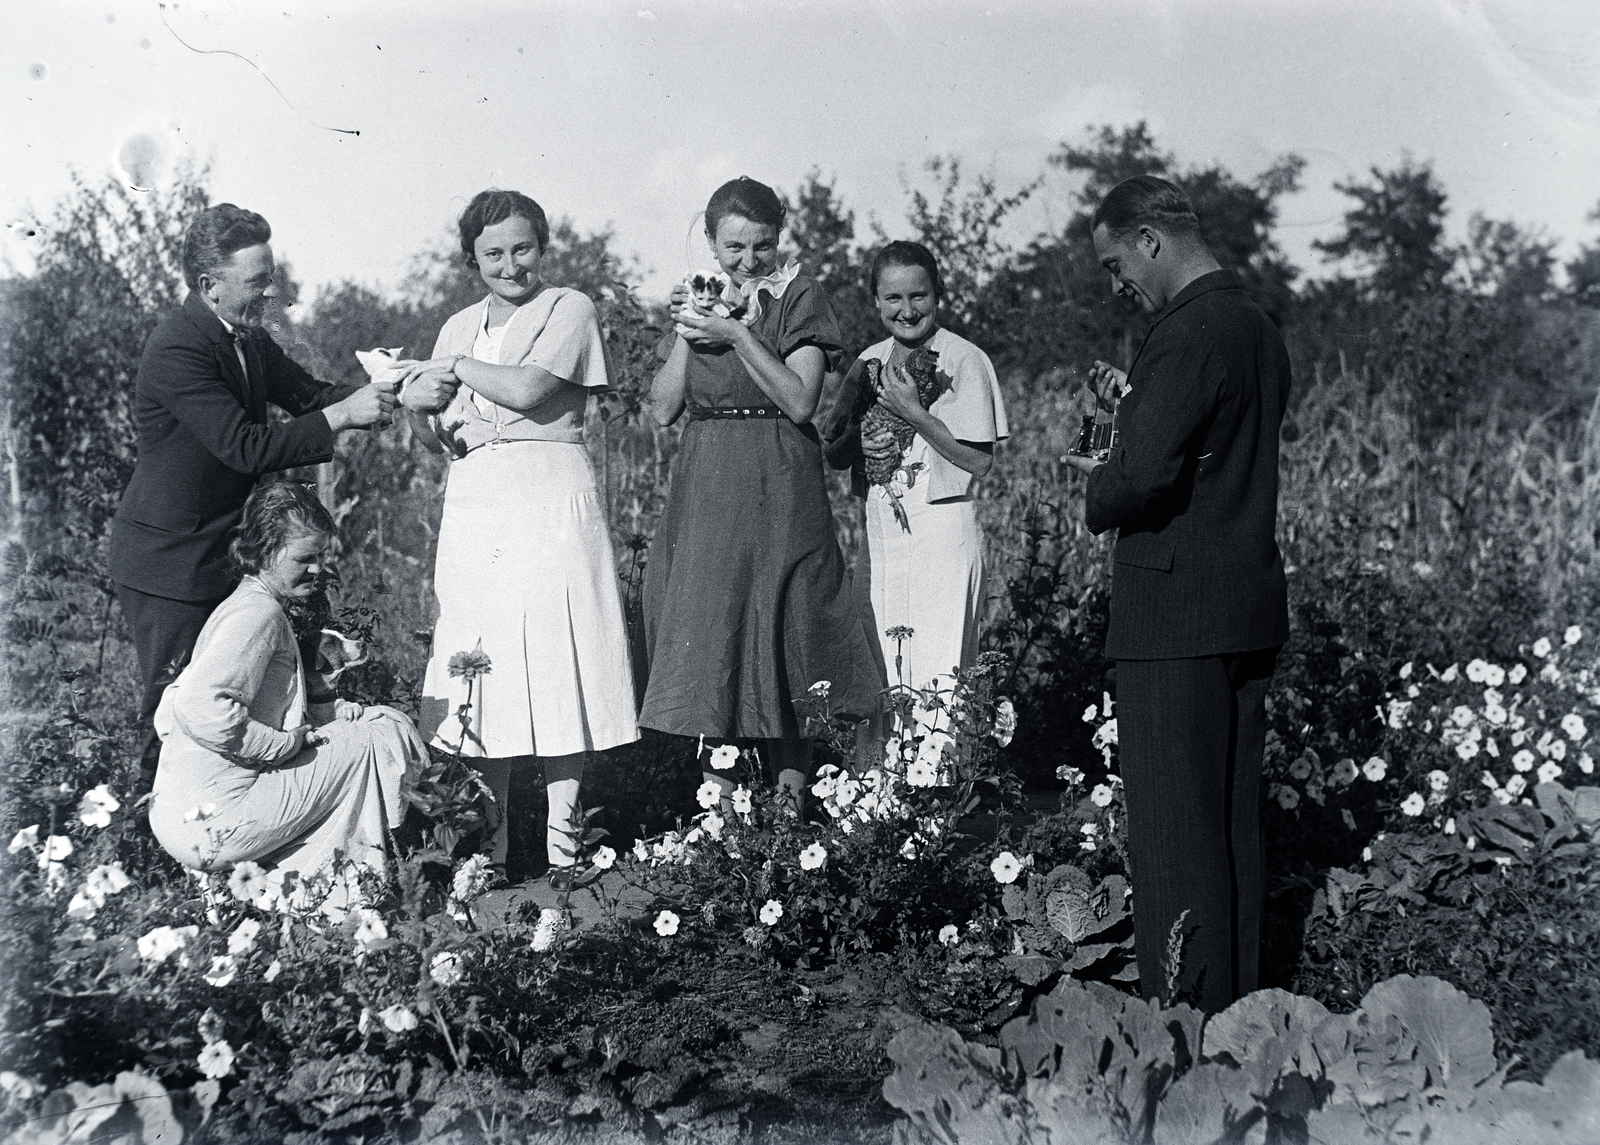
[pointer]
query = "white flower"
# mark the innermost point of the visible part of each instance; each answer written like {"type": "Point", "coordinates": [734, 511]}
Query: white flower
{"type": "Point", "coordinates": [666, 924]}
{"type": "Point", "coordinates": [1558, 749]}
{"type": "Point", "coordinates": [1467, 749]}
{"type": "Point", "coordinates": [824, 787]}
{"type": "Point", "coordinates": [813, 857]}
{"type": "Point", "coordinates": [1105, 735]}
{"type": "Point", "coordinates": [1005, 867]}
{"type": "Point", "coordinates": [821, 689]}
{"type": "Point", "coordinates": [1005, 722]}
{"type": "Point", "coordinates": [1450, 825]}
{"type": "Point", "coordinates": [908, 849]}
{"type": "Point", "coordinates": [709, 794]}
{"type": "Point", "coordinates": [163, 941]}
{"type": "Point", "coordinates": [1586, 763]}
{"type": "Point", "coordinates": [1523, 760]}
{"type": "Point", "coordinates": [1090, 829]}
{"type": "Point", "coordinates": [272, 971]}
{"type": "Point", "coordinates": [1413, 691]}
{"type": "Point", "coordinates": [605, 858]}
{"type": "Point", "coordinates": [247, 882]}
{"type": "Point", "coordinates": [922, 773]}
{"type": "Point", "coordinates": [642, 852]}
{"type": "Point", "coordinates": [1572, 724]}
{"type": "Point", "coordinates": [1405, 670]}
{"type": "Point", "coordinates": [96, 806]}
{"type": "Point", "coordinates": [447, 968]}
{"type": "Point", "coordinates": [1300, 768]}
{"type": "Point", "coordinates": [471, 878]}
{"type": "Point", "coordinates": [847, 792]}
{"type": "Point", "coordinates": [1438, 780]}
{"type": "Point", "coordinates": [1450, 674]}
{"type": "Point", "coordinates": [1490, 781]}
{"type": "Point", "coordinates": [552, 924]}
{"type": "Point", "coordinates": [243, 937]}
{"type": "Point", "coordinates": [1100, 796]}
{"type": "Point", "coordinates": [1518, 673]}
{"type": "Point", "coordinates": [1494, 675]}
{"type": "Point", "coordinates": [932, 748]}
{"type": "Point", "coordinates": [1422, 568]}
{"type": "Point", "coordinates": [713, 824]}
{"type": "Point", "coordinates": [1549, 772]}
{"type": "Point", "coordinates": [694, 836]}
{"type": "Point", "coordinates": [1068, 774]}
{"type": "Point", "coordinates": [1515, 786]}
{"type": "Point", "coordinates": [27, 837]}
{"type": "Point", "coordinates": [106, 880]}
{"type": "Point", "coordinates": [223, 968]}
{"type": "Point", "coordinates": [1550, 673]}
{"type": "Point", "coordinates": [1366, 854]}
{"type": "Point", "coordinates": [1091, 713]}
{"type": "Point", "coordinates": [1413, 804]}
{"type": "Point", "coordinates": [1502, 796]}
{"type": "Point", "coordinates": [741, 800]}
{"type": "Point", "coordinates": [1463, 716]}
{"type": "Point", "coordinates": [1541, 647]}
{"type": "Point", "coordinates": [1478, 671]}
{"type": "Point", "coordinates": [724, 757]}
{"type": "Point", "coordinates": [949, 934]}
{"type": "Point", "coordinates": [398, 1018]}
{"type": "Point", "coordinates": [1572, 636]}
{"type": "Point", "coordinates": [1345, 772]}
{"type": "Point", "coordinates": [82, 907]}
{"type": "Point", "coordinates": [370, 927]}
{"type": "Point", "coordinates": [771, 912]}
{"type": "Point", "coordinates": [1288, 797]}
{"type": "Point", "coordinates": [1375, 768]}
{"type": "Point", "coordinates": [57, 848]}
{"type": "Point", "coordinates": [216, 1060]}
{"type": "Point", "coordinates": [1495, 714]}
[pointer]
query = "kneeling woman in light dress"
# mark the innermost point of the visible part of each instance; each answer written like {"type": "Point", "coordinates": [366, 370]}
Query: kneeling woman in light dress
{"type": "Point", "coordinates": [524, 572]}
{"type": "Point", "coordinates": [244, 774]}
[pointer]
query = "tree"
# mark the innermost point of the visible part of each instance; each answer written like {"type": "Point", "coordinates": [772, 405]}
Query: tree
{"type": "Point", "coordinates": [1504, 260]}
{"type": "Point", "coordinates": [1394, 230]}
{"type": "Point", "coordinates": [823, 233]}
{"type": "Point", "coordinates": [1583, 272]}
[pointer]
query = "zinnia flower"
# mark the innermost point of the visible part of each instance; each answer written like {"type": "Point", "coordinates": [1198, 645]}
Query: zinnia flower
{"type": "Point", "coordinates": [552, 924]}
{"type": "Point", "coordinates": [471, 877]}
{"type": "Point", "coordinates": [771, 912]}
{"type": "Point", "coordinates": [813, 857]}
{"type": "Point", "coordinates": [1413, 804]}
{"type": "Point", "coordinates": [216, 1060]}
{"type": "Point", "coordinates": [398, 1018]}
{"type": "Point", "coordinates": [469, 665]}
{"type": "Point", "coordinates": [1005, 867]}
{"type": "Point", "coordinates": [949, 934]}
{"type": "Point", "coordinates": [666, 924]}
{"type": "Point", "coordinates": [96, 806]}
{"type": "Point", "coordinates": [724, 756]}
{"type": "Point", "coordinates": [1375, 768]}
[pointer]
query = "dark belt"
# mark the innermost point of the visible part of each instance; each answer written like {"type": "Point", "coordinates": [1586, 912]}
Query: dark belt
{"type": "Point", "coordinates": [707, 413]}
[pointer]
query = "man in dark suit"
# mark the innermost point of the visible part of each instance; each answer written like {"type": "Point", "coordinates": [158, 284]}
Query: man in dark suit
{"type": "Point", "coordinates": [1198, 599]}
{"type": "Point", "coordinates": [200, 411]}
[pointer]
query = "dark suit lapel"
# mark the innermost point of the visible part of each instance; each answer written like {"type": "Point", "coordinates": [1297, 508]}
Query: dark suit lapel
{"type": "Point", "coordinates": [255, 402]}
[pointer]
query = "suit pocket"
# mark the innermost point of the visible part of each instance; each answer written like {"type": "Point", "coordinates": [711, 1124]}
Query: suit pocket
{"type": "Point", "coordinates": [1146, 552]}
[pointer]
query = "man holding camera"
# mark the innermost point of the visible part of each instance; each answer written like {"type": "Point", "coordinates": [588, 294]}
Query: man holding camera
{"type": "Point", "coordinates": [1198, 597]}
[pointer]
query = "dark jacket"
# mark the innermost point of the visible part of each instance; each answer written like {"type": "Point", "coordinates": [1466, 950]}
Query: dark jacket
{"type": "Point", "coordinates": [1192, 486]}
{"type": "Point", "coordinates": [203, 440]}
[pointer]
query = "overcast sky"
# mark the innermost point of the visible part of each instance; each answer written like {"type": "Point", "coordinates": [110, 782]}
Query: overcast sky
{"type": "Point", "coordinates": [629, 115]}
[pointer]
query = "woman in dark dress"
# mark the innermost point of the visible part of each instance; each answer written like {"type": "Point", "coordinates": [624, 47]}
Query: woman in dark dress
{"type": "Point", "coordinates": [747, 601]}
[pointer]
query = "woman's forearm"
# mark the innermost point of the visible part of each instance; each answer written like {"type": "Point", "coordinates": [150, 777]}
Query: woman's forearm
{"type": "Point", "coordinates": [974, 459]}
{"type": "Point", "coordinates": [515, 387]}
{"type": "Point", "coordinates": [796, 392]}
{"type": "Point", "coordinates": [667, 387]}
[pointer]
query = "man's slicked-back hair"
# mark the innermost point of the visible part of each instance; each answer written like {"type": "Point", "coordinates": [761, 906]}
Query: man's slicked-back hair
{"type": "Point", "coordinates": [1142, 201]}
{"type": "Point", "coordinates": [216, 235]}
{"type": "Point", "coordinates": [491, 208]}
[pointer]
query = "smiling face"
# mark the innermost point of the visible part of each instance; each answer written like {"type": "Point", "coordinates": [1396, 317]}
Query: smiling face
{"type": "Point", "coordinates": [291, 572]}
{"type": "Point", "coordinates": [239, 289]}
{"type": "Point", "coordinates": [1130, 259]}
{"type": "Point", "coordinates": [745, 249]}
{"type": "Point", "coordinates": [508, 257]}
{"type": "Point", "coordinates": [907, 303]}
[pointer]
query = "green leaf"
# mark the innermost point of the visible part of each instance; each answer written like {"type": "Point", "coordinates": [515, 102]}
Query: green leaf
{"type": "Point", "coordinates": [1454, 1036]}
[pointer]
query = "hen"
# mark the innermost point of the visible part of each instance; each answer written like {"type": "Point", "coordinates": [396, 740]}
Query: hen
{"type": "Point", "coordinates": [922, 365]}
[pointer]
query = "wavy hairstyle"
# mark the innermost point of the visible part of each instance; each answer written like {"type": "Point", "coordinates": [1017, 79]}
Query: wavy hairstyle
{"type": "Point", "coordinates": [907, 254]}
{"type": "Point", "coordinates": [216, 235]}
{"type": "Point", "coordinates": [747, 199]}
{"type": "Point", "coordinates": [1143, 201]}
{"type": "Point", "coordinates": [490, 208]}
{"type": "Point", "coordinates": [275, 512]}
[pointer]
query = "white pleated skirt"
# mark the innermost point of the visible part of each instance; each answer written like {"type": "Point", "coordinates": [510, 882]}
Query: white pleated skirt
{"type": "Point", "coordinates": [525, 574]}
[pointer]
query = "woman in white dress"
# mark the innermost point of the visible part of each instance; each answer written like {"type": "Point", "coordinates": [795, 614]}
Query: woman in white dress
{"type": "Point", "coordinates": [927, 572]}
{"type": "Point", "coordinates": [524, 573]}
{"type": "Point", "coordinates": [244, 774]}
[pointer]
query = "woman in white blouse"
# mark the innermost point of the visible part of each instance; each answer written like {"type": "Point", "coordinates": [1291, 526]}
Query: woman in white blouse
{"type": "Point", "coordinates": [244, 773]}
{"type": "Point", "coordinates": [524, 573]}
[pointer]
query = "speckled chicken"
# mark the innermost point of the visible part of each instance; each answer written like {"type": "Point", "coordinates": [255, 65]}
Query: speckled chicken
{"type": "Point", "coordinates": [922, 364]}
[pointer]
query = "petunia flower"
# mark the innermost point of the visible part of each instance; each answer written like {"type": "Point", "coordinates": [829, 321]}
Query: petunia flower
{"type": "Point", "coordinates": [1345, 772]}
{"type": "Point", "coordinates": [1572, 636]}
{"type": "Point", "coordinates": [605, 858]}
{"type": "Point", "coordinates": [1005, 867]}
{"type": "Point", "coordinates": [741, 800]}
{"type": "Point", "coordinates": [447, 968]}
{"type": "Point", "coordinates": [771, 912]}
{"type": "Point", "coordinates": [709, 794]}
{"type": "Point", "coordinates": [248, 881]}
{"type": "Point", "coordinates": [243, 937]}
{"type": "Point", "coordinates": [1101, 795]}
{"type": "Point", "coordinates": [1288, 797]}
{"type": "Point", "coordinates": [223, 968]}
{"type": "Point", "coordinates": [1413, 804]}
{"type": "Point", "coordinates": [96, 806]}
{"type": "Point", "coordinates": [1574, 727]}
{"type": "Point", "coordinates": [1375, 768]}
{"type": "Point", "coordinates": [398, 1018]}
{"type": "Point", "coordinates": [666, 924]}
{"type": "Point", "coordinates": [27, 837]}
{"type": "Point", "coordinates": [216, 1060]}
{"type": "Point", "coordinates": [813, 857]}
{"type": "Point", "coordinates": [949, 934]}
{"type": "Point", "coordinates": [1005, 722]}
{"type": "Point", "coordinates": [1438, 780]}
{"type": "Point", "coordinates": [1518, 673]}
{"type": "Point", "coordinates": [1549, 772]}
{"type": "Point", "coordinates": [1541, 647]}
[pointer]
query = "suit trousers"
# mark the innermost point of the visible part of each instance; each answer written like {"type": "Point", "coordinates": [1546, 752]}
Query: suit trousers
{"type": "Point", "coordinates": [1190, 739]}
{"type": "Point", "coordinates": [164, 632]}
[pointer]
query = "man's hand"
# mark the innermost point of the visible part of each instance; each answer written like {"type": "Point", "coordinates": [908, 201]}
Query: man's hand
{"type": "Point", "coordinates": [347, 710]}
{"type": "Point", "coordinates": [1084, 465]}
{"type": "Point", "coordinates": [1102, 373]}
{"type": "Point", "coordinates": [370, 406]}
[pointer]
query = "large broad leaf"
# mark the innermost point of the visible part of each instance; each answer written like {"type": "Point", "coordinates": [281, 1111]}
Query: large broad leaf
{"type": "Point", "coordinates": [1204, 1105]}
{"type": "Point", "coordinates": [1078, 915]}
{"type": "Point", "coordinates": [1065, 1031]}
{"type": "Point", "coordinates": [949, 1088]}
{"type": "Point", "coordinates": [1454, 1036]}
{"type": "Point", "coordinates": [1031, 969]}
{"type": "Point", "coordinates": [1248, 1030]}
{"type": "Point", "coordinates": [1586, 804]}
